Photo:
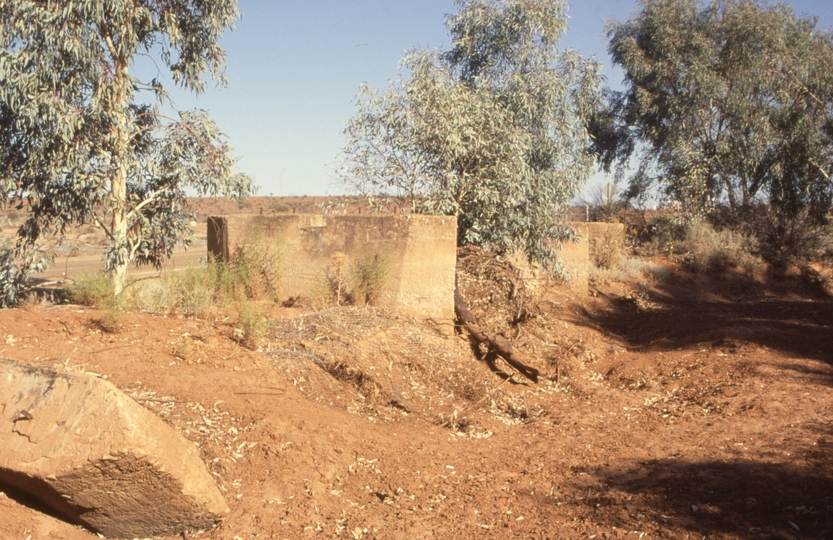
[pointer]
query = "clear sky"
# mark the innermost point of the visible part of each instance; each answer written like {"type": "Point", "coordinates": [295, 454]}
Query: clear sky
{"type": "Point", "coordinates": [294, 68]}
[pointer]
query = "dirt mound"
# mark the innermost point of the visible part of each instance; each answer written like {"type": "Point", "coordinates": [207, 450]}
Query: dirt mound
{"type": "Point", "coordinates": [701, 410]}
{"type": "Point", "coordinates": [382, 367]}
{"type": "Point", "coordinates": [494, 291]}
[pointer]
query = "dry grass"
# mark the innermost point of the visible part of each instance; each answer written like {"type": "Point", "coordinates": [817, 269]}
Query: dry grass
{"type": "Point", "coordinates": [605, 252]}
{"type": "Point", "coordinates": [630, 269]}
{"type": "Point", "coordinates": [712, 251]}
{"type": "Point", "coordinates": [357, 282]}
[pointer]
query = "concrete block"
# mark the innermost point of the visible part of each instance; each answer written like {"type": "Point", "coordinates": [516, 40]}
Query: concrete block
{"type": "Point", "coordinates": [421, 252]}
{"type": "Point", "coordinates": [80, 446]}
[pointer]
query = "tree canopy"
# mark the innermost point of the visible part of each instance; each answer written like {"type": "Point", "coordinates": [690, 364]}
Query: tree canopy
{"type": "Point", "coordinates": [726, 104]}
{"type": "Point", "coordinates": [492, 130]}
{"type": "Point", "coordinates": [78, 145]}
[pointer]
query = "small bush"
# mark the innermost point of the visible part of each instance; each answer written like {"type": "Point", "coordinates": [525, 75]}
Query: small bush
{"type": "Point", "coordinates": [254, 270]}
{"type": "Point", "coordinates": [357, 282]}
{"type": "Point", "coordinates": [194, 291]}
{"type": "Point", "coordinates": [368, 276]}
{"type": "Point", "coordinates": [250, 326]}
{"type": "Point", "coordinates": [252, 274]}
{"type": "Point", "coordinates": [786, 239]}
{"type": "Point", "coordinates": [156, 295]}
{"type": "Point", "coordinates": [97, 291]}
{"type": "Point", "coordinates": [708, 250]}
{"type": "Point", "coordinates": [666, 234]}
{"type": "Point", "coordinates": [93, 290]}
{"type": "Point", "coordinates": [630, 269]}
{"type": "Point", "coordinates": [606, 251]}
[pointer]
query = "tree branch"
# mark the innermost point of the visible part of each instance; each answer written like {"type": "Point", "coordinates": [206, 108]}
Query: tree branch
{"type": "Point", "coordinates": [822, 171]}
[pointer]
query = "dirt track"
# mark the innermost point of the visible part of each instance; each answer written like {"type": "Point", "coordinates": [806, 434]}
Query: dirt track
{"type": "Point", "coordinates": [699, 408]}
{"type": "Point", "coordinates": [71, 267]}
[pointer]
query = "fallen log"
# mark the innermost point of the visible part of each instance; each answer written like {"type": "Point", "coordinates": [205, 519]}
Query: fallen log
{"type": "Point", "coordinates": [497, 343]}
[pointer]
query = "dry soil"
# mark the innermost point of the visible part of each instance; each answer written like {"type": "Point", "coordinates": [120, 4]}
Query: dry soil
{"type": "Point", "coordinates": [696, 407]}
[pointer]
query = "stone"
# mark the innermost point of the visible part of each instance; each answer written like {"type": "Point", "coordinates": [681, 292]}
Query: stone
{"type": "Point", "coordinates": [79, 446]}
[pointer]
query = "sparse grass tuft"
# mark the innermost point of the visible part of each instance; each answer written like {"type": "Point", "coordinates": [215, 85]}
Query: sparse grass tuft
{"type": "Point", "coordinates": [250, 326]}
{"type": "Point", "coordinates": [368, 275]}
{"type": "Point", "coordinates": [337, 278]}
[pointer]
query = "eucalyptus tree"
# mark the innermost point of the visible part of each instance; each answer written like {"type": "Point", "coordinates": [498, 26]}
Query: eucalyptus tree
{"type": "Point", "coordinates": [491, 130]}
{"type": "Point", "coordinates": [726, 104]}
{"type": "Point", "coordinates": [79, 145]}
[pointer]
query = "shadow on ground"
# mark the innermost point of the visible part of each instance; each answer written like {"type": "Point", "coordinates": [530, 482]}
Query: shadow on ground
{"type": "Point", "coordinates": [686, 312]}
{"type": "Point", "coordinates": [743, 498]}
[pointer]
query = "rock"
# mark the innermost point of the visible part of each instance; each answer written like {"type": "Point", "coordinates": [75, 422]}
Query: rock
{"type": "Point", "coordinates": [82, 448]}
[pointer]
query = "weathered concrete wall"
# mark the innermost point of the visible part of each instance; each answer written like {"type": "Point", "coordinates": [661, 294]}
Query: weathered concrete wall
{"type": "Point", "coordinates": [574, 256]}
{"type": "Point", "coordinates": [420, 252]}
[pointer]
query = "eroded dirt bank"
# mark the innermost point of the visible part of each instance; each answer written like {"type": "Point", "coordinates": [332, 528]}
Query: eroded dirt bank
{"type": "Point", "coordinates": [700, 407]}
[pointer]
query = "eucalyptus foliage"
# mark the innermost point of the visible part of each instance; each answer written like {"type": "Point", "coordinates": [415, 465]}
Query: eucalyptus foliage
{"type": "Point", "coordinates": [492, 130]}
{"type": "Point", "coordinates": [79, 145]}
{"type": "Point", "coordinates": [727, 103]}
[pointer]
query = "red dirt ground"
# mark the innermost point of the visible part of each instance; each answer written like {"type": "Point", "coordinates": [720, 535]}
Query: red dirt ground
{"type": "Point", "coordinates": [699, 408]}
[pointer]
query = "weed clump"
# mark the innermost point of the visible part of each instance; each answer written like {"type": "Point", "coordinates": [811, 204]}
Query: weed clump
{"type": "Point", "coordinates": [358, 282]}
{"type": "Point", "coordinates": [250, 324]}
{"type": "Point", "coordinates": [630, 269]}
{"type": "Point", "coordinates": [605, 252]}
{"type": "Point", "coordinates": [368, 276]}
{"type": "Point", "coordinates": [97, 291]}
{"type": "Point", "coordinates": [711, 251]}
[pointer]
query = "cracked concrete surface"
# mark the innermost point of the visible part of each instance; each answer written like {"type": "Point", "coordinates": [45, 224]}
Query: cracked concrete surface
{"type": "Point", "coordinates": [80, 446]}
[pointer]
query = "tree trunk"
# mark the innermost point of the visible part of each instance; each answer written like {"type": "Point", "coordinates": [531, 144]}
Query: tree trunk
{"type": "Point", "coordinates": [118, 229]}
{"type": "Point", "coordinates": [496, 342]}
{"type": "Point", "coordinates": [118, 184]}
{"type": "Point", "coordinates": [118, 194]}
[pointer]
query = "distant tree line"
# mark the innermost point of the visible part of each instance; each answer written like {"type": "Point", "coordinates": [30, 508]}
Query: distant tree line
{"type": "Point", "coordinates": [726, 113]}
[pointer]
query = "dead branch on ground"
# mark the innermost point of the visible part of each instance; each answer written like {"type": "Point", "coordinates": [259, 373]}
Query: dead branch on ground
{"type": "Point", "coordinates": [496, 342]}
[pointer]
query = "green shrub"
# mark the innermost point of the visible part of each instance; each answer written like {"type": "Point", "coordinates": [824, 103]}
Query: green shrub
{"type": "Point", "coordinates": [666, 234]}
{"type": "Point", "coordinates": [786, 238]}
{"type": "Point", "coordinates": [250, 326]}
{"type": "Point", "coordinates": [97, 291]}
{"type": "Point", "coordinates": [91, 289]}
{"type": "Point", "coordinates": [368, 276]}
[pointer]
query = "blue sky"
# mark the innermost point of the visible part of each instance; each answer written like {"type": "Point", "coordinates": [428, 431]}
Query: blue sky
{"type": "Point", "coordinates": [294, 68]}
